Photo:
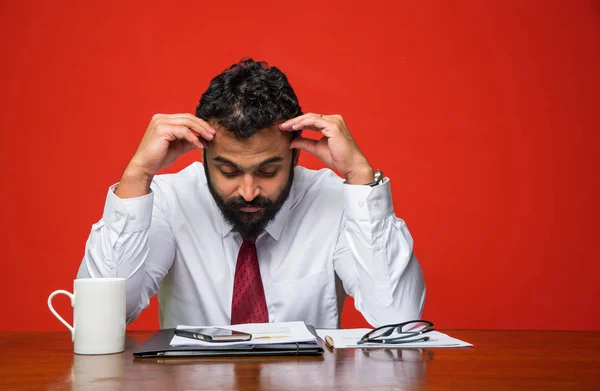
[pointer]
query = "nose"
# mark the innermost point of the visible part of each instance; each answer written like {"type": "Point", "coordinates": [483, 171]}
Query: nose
{"type": "Point", "coordinates": [248, 188]}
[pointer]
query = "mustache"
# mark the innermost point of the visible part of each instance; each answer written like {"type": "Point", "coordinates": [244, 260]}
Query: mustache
{"type": "Point", "coordinates": [239, 202]}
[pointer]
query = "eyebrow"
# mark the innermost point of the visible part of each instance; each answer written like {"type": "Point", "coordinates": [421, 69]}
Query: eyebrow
{"type": "Point", "coordinates": [274, 159]}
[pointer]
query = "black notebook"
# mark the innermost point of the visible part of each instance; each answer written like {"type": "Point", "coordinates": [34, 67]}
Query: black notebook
{"type": "Point", "coordinates": [158, 345]}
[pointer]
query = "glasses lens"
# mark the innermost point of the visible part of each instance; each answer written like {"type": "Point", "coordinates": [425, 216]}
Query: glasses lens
{"type": "Point", "coordinates": [381, 333]}
{"type": "Point", "coordinates": [413, 327]}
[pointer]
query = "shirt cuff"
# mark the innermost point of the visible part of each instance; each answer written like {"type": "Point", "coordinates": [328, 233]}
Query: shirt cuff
{"type": "Point", "coordinates": [366, 203]}
{"type": "Point", "coordinates": [127, 215]}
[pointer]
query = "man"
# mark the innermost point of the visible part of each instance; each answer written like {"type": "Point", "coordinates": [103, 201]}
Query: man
{"type": "Point", "coordinates": [248, 236]}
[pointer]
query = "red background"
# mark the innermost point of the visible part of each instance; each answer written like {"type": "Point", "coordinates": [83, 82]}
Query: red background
{"type": "Point", "coordinates": [484, 114]}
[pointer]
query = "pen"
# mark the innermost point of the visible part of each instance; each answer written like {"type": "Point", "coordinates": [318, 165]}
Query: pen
{"type": "Point", "coordinates": [329, 342]}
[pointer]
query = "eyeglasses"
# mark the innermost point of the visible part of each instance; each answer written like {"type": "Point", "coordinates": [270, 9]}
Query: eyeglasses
{"type": "Point", "coordinates": [407, 332]}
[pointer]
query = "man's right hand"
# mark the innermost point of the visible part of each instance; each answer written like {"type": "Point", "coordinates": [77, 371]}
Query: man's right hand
{"type": "Point", "coordinates": [167, 138]}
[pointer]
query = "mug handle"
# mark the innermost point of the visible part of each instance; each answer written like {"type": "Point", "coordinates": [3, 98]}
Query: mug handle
{"type": "Point", "coordinates": [72, 296]}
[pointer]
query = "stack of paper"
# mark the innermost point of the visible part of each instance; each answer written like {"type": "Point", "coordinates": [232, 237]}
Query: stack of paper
{"type": "Point", "coordinates": [262, 334]}
{"type": "Point", "coordinates": [348, 338]}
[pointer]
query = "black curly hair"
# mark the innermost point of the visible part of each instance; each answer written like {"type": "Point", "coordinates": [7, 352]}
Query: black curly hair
{"type": "Point", "coordinates": [247, 97]}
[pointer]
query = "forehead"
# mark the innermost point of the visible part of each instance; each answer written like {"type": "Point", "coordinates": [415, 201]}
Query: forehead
{"type": "Point", "coordinates": [265, 143]}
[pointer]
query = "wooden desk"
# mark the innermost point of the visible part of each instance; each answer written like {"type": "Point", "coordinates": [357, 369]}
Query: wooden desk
{"type": "Point", "coordinates": [501, 360]}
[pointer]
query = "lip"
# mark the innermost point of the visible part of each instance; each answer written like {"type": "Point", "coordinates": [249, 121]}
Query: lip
{"type": "Point", "coordinates": [250, 209]}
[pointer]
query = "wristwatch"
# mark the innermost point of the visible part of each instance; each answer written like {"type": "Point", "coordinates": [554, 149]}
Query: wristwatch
{"type": "Point", "coordinates": [377, 180]}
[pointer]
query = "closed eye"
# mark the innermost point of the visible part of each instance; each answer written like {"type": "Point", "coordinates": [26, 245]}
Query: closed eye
{"type": "Point", "coordinates": [230, 174]}
{"type": "Point", "coordinates": [266, 174]}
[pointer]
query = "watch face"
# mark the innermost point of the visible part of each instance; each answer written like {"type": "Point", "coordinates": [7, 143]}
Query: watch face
{"type": "Point", "coordinates": [378, 177]}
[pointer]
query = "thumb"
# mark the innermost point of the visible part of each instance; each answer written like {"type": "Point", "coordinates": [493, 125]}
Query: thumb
{"type": "Point", "coordinates": [305, 144]}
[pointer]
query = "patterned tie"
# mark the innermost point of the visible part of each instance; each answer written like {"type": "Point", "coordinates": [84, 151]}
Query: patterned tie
{"type": "Point", "coordinates": [248, 304]}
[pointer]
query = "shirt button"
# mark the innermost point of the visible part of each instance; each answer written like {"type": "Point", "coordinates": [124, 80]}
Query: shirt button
{"type": "Point", "coordinates": [117, 216]}
{"type": "Point", "coordinates": [376, 204]}
{"type": "Point", "coordinates": [131, 217]}
{"type": "Point", "coordinates": [361, 203]}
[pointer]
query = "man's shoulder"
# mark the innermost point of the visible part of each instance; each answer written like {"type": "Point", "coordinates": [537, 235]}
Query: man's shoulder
{"type": "Point", "coordinates": [316, 184]}
{"type": "Point", "coordinates": [193, 172]}
{"type": "Point", "coordinates": [188, 180]}
{"type": "Point", "coordinates": [323, 177]}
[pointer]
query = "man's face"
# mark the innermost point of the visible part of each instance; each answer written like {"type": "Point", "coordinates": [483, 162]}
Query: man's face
{"type": "Point", "coordinates": [250, 179]}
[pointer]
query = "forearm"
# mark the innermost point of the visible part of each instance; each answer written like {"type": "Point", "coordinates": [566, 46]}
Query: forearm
{"type": "Point", "coordinates": [118, 246]}
{"type": "Point", "coordinates": [134, 182]}
{"type": "Point", "coordinates": [387, 282]}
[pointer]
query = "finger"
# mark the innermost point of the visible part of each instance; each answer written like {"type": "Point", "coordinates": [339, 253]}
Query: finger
{"type": "Point", "coordinates": [203, 142]}
{"type": "Point", "coordinates": [312, 123]}
{"type": "Point", "coordinates": [180, 132]}
{"type": "Point", "coordinates": [194, 123]}
{"type": "Point", "coordinates": [316, 129]}
{"type": "Point", "coordinates": [190, 116]}
{"type": "Point", "coordinates": [287, 125]}
{"type": "Point", "coordinates": [306, 144]}
{"type": "Point", "coordinates": [200, 121]}
{"type": "Point", "coordinates": [196, 141]}
{"type": "Point", "coordinates": [290, 122]}
{"type": "Point", "coordinates": [201, 128]}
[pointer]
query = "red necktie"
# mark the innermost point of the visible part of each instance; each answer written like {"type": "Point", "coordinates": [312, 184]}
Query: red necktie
{"type": "Point", "coordinates": [248, 304]}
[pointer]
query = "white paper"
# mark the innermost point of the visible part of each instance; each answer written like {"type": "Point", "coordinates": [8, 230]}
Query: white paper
{"type": "Point", "coordinates": [347, 338]}
{"type": "Point", "coordinates": [262, 334]}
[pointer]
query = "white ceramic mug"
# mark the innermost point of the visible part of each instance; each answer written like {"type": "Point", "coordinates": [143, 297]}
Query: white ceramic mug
{"type": "Point", "coordinates": [98, 315]}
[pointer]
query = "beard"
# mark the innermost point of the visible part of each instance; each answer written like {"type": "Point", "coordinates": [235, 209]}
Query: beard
{"type": "Point", "coordinates": [250, 224]}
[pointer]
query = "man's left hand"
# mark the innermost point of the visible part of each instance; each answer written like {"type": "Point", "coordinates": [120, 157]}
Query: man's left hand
{"type": "Point", "coordinates": [337, 149]}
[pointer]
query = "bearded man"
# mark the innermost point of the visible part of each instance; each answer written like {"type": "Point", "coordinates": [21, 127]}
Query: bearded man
{"type": "Point", "coordinates": [248, 235]}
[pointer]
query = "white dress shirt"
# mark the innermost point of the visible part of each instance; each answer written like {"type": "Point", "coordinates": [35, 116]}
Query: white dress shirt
{"type": "Point", "coordinates": [175, 241]}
